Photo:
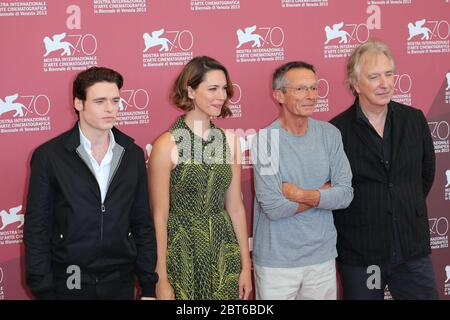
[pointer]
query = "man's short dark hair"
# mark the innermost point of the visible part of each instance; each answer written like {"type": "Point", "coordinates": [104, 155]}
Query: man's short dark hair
{"type": "Point", "coordinates": [279, 79]}
{"type": "Point", "coordinates": [91, 76]}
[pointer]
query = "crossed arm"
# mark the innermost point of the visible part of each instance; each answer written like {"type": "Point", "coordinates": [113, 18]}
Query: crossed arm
{"type": "Point", "coordinates": [305, 198]}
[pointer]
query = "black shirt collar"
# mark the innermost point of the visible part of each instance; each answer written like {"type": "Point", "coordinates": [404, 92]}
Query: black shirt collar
{"type": "Point", "coordinates": [361, 117]}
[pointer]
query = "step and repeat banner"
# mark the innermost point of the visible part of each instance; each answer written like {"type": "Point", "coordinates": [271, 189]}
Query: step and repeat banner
{"type": "Point", "coordinates": [45, 43]}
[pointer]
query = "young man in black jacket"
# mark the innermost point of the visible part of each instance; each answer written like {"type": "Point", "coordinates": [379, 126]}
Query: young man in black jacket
{"type": "Point", "coordinates": [88, 230]}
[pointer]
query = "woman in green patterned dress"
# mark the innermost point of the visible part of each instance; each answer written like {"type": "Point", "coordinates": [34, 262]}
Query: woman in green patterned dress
{"type": "Point", "coordinates": [195, 191]}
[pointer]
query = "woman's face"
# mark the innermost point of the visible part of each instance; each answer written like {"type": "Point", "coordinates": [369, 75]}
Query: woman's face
{"type": "Point", "coordinates": [211, 93]}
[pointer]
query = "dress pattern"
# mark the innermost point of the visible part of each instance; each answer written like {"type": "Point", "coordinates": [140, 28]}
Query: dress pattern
{"type": "Point", "coordinates": [203, 256]}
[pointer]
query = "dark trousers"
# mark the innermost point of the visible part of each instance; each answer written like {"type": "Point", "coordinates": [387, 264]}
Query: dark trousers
{"type": "Point", "coordinates": [408, 280]}
{"type": "Point", "coordinates": [113, 286]}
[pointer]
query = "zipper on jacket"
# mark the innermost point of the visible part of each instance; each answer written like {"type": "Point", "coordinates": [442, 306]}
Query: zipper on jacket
{"type": "Point", "coordinates": [103, 209]}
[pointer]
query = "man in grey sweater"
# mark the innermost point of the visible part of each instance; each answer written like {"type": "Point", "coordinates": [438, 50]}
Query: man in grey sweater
{"type": "Point", "coordinates": [301, 174]}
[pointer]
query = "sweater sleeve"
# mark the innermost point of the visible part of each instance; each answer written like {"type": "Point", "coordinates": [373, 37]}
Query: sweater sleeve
{"type": "Point", "coordinates": [340, 195]}
{"type": "Point", "coordinates": [267, 177]}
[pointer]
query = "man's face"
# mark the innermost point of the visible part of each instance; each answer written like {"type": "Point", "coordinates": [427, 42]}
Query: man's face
{"type": "Point", "coordinates": [298, 97]}
{"type": "Point", "coordinates": [98, 112]}
{"type": "Point", "coordinates": [375, 84]}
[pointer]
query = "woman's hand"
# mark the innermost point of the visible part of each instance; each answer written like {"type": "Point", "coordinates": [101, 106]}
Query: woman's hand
{"type": "Point", "coordinates": [245, 284]}
{"type": "Point", "coordinates": [164, 290]}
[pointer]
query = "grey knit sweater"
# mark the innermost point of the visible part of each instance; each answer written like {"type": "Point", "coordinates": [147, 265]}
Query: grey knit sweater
{"type": "Point", "coordinates": [283, 238]}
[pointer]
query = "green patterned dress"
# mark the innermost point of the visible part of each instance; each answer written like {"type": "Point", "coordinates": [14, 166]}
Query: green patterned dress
{"type": "Point", "coordinates": [203, 257]}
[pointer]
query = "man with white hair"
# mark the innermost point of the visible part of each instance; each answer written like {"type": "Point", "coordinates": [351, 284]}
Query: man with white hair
{"type": "Point", "coordinates": [391, 154]}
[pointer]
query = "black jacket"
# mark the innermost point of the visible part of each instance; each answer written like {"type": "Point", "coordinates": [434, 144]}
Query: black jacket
{"type": "Point", "coordinates": [365, 228]}
{"type": "Point", "coordinates": [67, 224]}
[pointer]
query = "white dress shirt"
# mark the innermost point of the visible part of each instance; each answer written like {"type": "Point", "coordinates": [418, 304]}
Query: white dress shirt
{"type": "Point", "coordinates": [101, 170]}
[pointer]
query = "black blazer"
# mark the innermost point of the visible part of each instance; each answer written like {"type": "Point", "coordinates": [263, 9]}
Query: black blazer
{"type": "Point", "coordinates": [365, 228]}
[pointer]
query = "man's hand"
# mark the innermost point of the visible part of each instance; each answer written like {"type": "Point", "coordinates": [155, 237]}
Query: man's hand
{"type": "Point", "coordinates": [326, 185]}
{"type": "Point", "coordinates": [304, 197]}
{"type": "Point", "coordinates": [291, 191]}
